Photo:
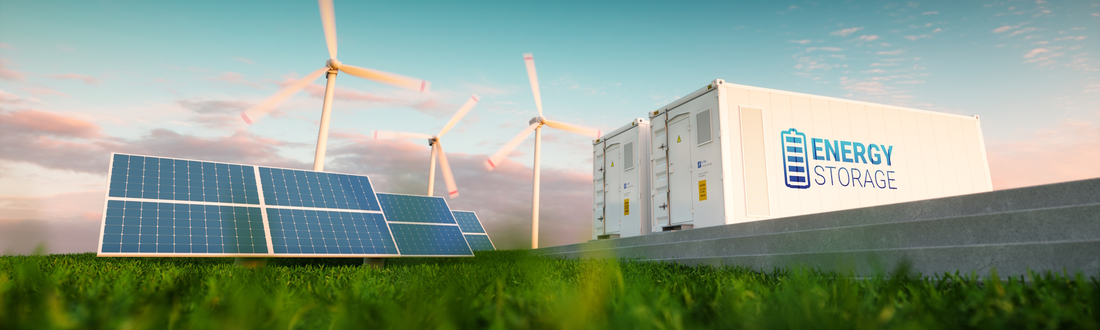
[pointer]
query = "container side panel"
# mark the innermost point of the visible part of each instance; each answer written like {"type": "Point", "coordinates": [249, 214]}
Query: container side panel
{"type": "Point", "coordinates": [898, 166]}
{"type": "Point", "coordinates": [948, 173]}
{"type": "Point", "coordinates": [763, 100]}
{"type": "Point", "coordinates": [933, 174]}
{"type": "Point", "coordinates": [876, 134]}
{"type": "Point", "coordinates": [786, 201]}
{"type": "Point", "coordinates": [974, 156]}
{"type": "Point", "coordinates": [598, 190]}
{"type": "Point", "coordinates": [824, 175]}
{"type": "Point", "coordinates": [844, 185]}
{"type": "Point", "coordinates": [802, 117]}
{"type": "Point", "coordinates": [914, 157]}
{"type": "Point", "coordinates": [862, 170]}
{"type": "Point", "coordinates": [960, 160]}
{"type": "Point", "coordinates": [706, 170]}
{"type": "Point", "coordinates": [643, 190]}
{"type": "Point", "coordinates": [756, 167]}
{"type": "Point", "coordinates": [735, 209]}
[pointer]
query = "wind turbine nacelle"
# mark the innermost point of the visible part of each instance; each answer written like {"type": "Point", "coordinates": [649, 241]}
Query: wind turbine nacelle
{"type": "Point", "coordinates": [539, 120]}
{"type": "Point", "coordinates": [333, 64]}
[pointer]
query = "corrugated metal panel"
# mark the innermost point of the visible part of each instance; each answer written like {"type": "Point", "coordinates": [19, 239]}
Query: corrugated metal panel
{"type": "Point", "coordinates": [756, 166]}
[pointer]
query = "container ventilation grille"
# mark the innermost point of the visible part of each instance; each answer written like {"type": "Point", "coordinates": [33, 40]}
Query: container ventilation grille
{"type": "Point", "coordinates": [628, 156]}
{"type": "Point", "coordinates": [702, 120]}
{"type": "Point", "coordinates": [756, 167]}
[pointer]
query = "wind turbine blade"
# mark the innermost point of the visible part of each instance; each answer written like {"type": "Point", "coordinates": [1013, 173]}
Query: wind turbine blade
{"type": "Point", "coordinates": [387, 78]}
{"type": "Point", "coordinates": [534, 77]}
{"type": "Point", "coordinates": [400, 135]}
{"type": "Point", "coordinates": [258, 111]}
{"type": "Point", "coordinates": [499, 156]}
{"type": "Point", "coordinates": [458, 115]}
{"type": "Point", "coordinates": [589, 132]}
{"type": "Point", "coordinates": [328, 21]}
{"type": "Point", "coordinates": [448, 178]}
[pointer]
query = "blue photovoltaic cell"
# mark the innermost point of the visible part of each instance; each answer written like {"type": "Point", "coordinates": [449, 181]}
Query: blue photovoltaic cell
{"type": "Point", "coordinates": [430, 240]}
{"type": "Point", "coordinates": [328, 232]}
{"type": "Point", "coordinates": [152, 227]}
{"type": "Point", "coordinates": [479, 242]}
{"type": "Point", "coordinates": [406, 208]}
{"type": "Point", "coordinates": [317, 189]}
{"type": "Point", "coordinates": [468, 222]}
{"type": "Point", "coordinates": [181, 180]}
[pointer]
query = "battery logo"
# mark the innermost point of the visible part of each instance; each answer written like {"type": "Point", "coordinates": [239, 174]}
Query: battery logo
{"type": "Point", "coordinates": [795, 166]}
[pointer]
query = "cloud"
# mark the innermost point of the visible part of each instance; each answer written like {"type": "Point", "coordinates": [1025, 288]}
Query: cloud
{"type": "Point", "coordinates": [875, 71]}
{"type": "Point", "coordinates": [931, 13]}
{"type": "Point", "coordinates": [892, 52]}
{"type": "Point", "coordinates": [243, 60]}
{"type": "Point", "coordinates": [1070, 38]}
{"type": "Point", "coordinates": [1021, 31]}
{"type": "Point", "coordinates": [9, 98]}
{"type": "Point", "coordinates": [56, 141]}
{"type": "Point", "coordinates": [1004, 28]}
{"type": "Point", "coordinates": [868, 38]}
{"type": "Point", "coordinates": [1035, 51]}
{"type": "Point", "coordinates": [234, 78]}
{"type": "Point", "coordinates": [1063, 153]}
{"type": "Point", "coordinates": [4, 45]}
{"type": "Point", "coordinates": [845, 32]}
{"type": "Point", "coordinates": [801, 42]}
{"type": "Point", "coordinates": [214, 106]}
{"type": "Point", "coordinates": [502, 198]}
{"type": "Point", "coordinates": [792, 7]}
{"type": "Point", "coordinates": [425, 104]}
{"type": "Point", "coordinates": [38, 91]}
{"type": "Point", "coordinates": [828, 49]}
{"type": "Point", "coordinates": [73, 76]}
{"type": "Point", "coordinates": [915, 38]}
{"type": "Point", "coordinates": [9, 74]}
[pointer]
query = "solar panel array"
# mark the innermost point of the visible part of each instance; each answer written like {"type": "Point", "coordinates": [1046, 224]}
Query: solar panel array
{"type": "Point", "coordinates": [473, 231]}
{"type": "Point", "coordinates": [173, 207]}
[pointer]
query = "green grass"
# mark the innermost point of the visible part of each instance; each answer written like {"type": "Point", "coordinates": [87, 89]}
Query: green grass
{"type": "Point", "coordinates": [511, 290]}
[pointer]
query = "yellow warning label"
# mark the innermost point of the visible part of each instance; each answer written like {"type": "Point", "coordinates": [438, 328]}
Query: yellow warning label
{"type": "Point", "coordinates": [702, 190]}
{"type": "Point", "coordinates": [612, 164]}
{"type": "Point", "coordinates": [626, 206]}
{"type": "Point", "coordinates": [677, 139]}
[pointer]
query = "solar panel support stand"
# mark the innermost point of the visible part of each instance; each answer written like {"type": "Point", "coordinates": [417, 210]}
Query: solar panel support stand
{"type": "Point", "coordinates": [375, 262]}
{"type": "Point", "coordinates": [247, 262]}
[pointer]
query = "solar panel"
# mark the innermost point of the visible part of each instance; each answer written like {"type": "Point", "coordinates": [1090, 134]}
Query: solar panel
{"type": "Point", "coordinates": [480, 242]}
{"type": "Point", "coordinates": [420, 209]}
{"type": "Point", "coordinates": [473, 231]}
{"type": "Point", "coordinates": [468, 222]}
{"type": "Point", "coordinates": [176, 228]}
{"type": "Point", "coordinates": [317, 189]}
{"type": "Point", "coordinates": [173, 207]}
{"type": "Point", "coordinates": [430, 240]}
{"type": "Point", "coordinates": [296, 231]}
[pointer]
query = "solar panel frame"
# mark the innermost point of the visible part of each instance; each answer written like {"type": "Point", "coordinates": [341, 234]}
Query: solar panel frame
{"type": "Point", "coordinates": [452, 223]}
{"type": "Point", "coordinates": [409, 251]}
{"type": "Point", "coordinates": [476, 238]}
{"type": "Point", "coordinates": [468, 232]}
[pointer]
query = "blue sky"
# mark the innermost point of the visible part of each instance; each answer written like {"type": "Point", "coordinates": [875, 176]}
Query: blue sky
{"type": "Point", "coordinates": [82, 79]}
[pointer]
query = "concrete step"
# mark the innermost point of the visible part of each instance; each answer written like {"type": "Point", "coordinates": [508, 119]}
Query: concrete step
{"type": "Point", "coordinates": [1050, 227]}
{"type": "Point", "coordinates": [1082, 192]}
{"type": "Point", "coordinates": [1032, 226]}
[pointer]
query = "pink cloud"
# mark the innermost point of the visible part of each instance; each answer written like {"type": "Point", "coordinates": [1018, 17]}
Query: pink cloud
{"type": "Point", "coordinates": [44, 122]}
{"type": "Point", "coordinates": [1034, 52]}
{"type": "Point", "coordinates": [429, 106]}
{"type": "Point", "coordinates": [9, 74]}
{"type": "Point", "coordinates": [1065, 153]}
{"type": "Point", "coordinates": [39, 91]}
{"type": "Point", "coordinates": [845, 32]}
{"type": "Point", "coordinates": [73, 76]}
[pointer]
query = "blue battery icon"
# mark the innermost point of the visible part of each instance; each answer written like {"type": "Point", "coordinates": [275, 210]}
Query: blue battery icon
{"type": "Point", "coordinates": [795, 163]}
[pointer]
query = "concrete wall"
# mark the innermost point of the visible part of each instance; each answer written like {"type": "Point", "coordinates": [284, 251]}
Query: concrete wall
{"type": "Point", "coordinates": [1043, 228]}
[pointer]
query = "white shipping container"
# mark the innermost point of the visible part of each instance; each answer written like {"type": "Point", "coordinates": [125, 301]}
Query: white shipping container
{"type": "Point", "coordinates": [620, 180]}
{"type": "Point", "coordinates": [731, 153]}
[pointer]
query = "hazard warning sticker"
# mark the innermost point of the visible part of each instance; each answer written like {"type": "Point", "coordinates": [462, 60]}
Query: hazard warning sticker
{"type": "Point", "coordinates": [626, 206]}
{"type": "Point", "coordinates": [702, 190]}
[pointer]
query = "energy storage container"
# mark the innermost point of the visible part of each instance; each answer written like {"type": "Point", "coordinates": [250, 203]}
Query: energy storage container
{"type": "Point", "coordinates": [730, 153]}
{"type": "Point", "coordinates": [620, 179]}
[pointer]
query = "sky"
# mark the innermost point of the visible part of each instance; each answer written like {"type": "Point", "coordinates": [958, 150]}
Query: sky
{"type": "Point", "coordinates": [82, 79]}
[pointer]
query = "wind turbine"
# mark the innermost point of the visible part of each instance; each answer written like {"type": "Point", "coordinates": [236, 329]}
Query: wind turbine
{"type": "Point", "coordinates": [333, 66]}
{"type": "Point", "coordinates": [437, 148]}
{"type": "Point", "coordinates": [535, 125]}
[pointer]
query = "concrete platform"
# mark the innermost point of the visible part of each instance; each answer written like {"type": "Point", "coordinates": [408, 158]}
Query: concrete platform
{"type": "Point", "coordinates": [1043, 228]}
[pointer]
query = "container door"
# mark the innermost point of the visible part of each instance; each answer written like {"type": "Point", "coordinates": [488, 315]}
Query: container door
{"type": "Point", "coordinates": [680, 193]}
{"type": "Point", "coordinates": [598, 187]}
{"type": "Point", "coordinates": [613, 214]}
{"type": "Point", "coordinates": [659, 166]}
